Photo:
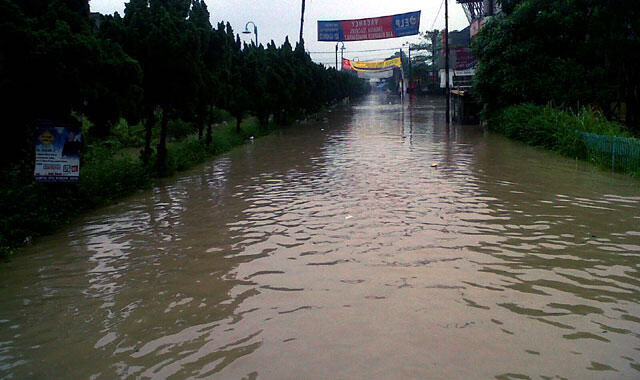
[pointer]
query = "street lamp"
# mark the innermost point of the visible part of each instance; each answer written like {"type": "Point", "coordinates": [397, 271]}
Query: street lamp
{"type": "Point", "coordinates": [255, 30]}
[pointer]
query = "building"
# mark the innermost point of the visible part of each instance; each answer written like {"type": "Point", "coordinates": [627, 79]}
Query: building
{"type": "Point", "coordinates": [478, 11]}
{"type": "Point", "coordinates": [462, 63]}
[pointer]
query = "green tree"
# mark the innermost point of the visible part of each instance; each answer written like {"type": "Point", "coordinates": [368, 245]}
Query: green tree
{"type": "Point", "coordinates": [160, 36]}
{"type": "Point", "coordinates": [568, 52]}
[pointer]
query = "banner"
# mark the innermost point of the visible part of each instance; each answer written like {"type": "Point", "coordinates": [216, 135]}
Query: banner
{"type": "Point", "coordinates": [57, 152]}
{"type": "Point", "coordinates": [372, 65]}
{"type": "Point", "coordinates": [346, 64]}
{"type": "Point", "coordinates": [375, 28]}
{"type": "Point", "coordinates": [379, 74]}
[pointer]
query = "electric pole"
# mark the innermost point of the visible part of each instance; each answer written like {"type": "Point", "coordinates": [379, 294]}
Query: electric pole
{"type": "Point", "coordinates": [446, 55]}
{"type": "Point", "coordinates": [301, 22]}
{"type": "Point", "coordinates": [410, 68]}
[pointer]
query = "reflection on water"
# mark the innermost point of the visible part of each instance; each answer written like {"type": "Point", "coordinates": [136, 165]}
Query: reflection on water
{"type": "Point", "coordinates": [377, 243]}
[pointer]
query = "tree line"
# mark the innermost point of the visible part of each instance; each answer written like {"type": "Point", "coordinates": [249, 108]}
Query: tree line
{"type": "Point", "coordinates": [161, 61]}
{"type": "Point", "coordinates": [571, 53]}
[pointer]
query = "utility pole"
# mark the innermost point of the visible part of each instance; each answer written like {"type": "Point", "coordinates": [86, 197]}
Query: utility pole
{"type": "Point", "coordinates": [401, 79]}
{"type": "Point", "coordinates": [336, 56]}
{"type": "Point", "coordinates": [410, 68]}
{"type": "Point", "coordinates": [301, 22]}
{"type": "Point", "coordinates": [434, 47]}
{"type": "Point", "coordinates": [341, 55]}
{"type": "Point", "coordinates": [446, 55]}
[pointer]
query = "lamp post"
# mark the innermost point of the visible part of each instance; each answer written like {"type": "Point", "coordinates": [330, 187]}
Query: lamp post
{"type": "Point", "coordinates": [255, 30]}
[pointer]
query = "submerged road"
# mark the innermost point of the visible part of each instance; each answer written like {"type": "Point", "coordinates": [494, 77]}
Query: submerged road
{"type": "Point", "coordinates": [376, 243]}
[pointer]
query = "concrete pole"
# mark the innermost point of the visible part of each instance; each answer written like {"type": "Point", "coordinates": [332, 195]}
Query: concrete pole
{"type": "Point", "coordinates": [401, 79]}
{"type": "Point", "coordinates": [301, 22]}
{"type": "Point", "coordinates": [410, 69]}
{"type": "Point", "coordinates": [446, 57]}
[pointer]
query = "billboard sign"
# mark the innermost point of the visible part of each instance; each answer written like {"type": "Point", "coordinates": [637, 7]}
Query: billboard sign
{"type": "Point", "coordinates": [375, 28]}
{"type": "Point", "coordinates": [57, 152]}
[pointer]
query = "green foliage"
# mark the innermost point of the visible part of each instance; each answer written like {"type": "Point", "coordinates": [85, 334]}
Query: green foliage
{"type": "Point", "coordinates": [186, 154]}
{"type": "Point", "coordinates": [569, 52]}
{"type": "Point", "coordinates": [561, 131]}
{"type": "Point", "coordinates": [179, 129]}
{"type": "Point", "coordinates": [106, 176]}
{"type": "Point", "coordinates": [127, 135]}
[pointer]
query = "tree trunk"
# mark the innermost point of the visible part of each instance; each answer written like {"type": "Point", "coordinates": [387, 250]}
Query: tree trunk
{"type": "Point", "coordinates": [238, 120]}
{"type": "Point", "coordinates": [200, 122]}
{"type": "Point", "coordinates": [162, 145]}
{"type": "Point", "coordinates": [209, 126]}
{"type": "Point", "coordinates": [148, 126]}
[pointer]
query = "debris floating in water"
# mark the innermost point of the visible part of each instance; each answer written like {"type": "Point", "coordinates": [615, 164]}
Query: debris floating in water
{"type": "Point", "coordinates": [348, 217]}
{"type": "Point", "coordinates": [434, 165]}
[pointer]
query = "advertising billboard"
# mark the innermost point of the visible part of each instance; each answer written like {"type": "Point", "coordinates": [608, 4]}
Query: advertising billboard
{"type": "Point", "coordinates": [57, 152]}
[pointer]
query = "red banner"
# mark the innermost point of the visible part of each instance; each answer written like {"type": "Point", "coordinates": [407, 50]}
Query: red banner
{"type": "Point", "coordinates": [368, 29]}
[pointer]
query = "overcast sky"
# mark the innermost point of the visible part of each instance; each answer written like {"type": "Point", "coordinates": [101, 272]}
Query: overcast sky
{"type": "Point", "coordinates": [276, 19]}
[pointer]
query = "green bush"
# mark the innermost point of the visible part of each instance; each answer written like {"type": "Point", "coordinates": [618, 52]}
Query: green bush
{"type": "Point", "coordinates": [186, 153]}
{"type": "Point", "coordinates": [128, 135]}
{"type": "Point", "coordinates": [105, 176]}
{"type": "Point", "coordinates": [179, 129]}
{"type": "Point", "coordinates": [554, 129]}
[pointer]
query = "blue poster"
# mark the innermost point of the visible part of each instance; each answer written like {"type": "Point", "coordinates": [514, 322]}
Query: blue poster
{"type": "Point", "coordinates": [57, 152]}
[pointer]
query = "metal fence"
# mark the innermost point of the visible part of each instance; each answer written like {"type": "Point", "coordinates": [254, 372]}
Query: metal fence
{"type": "Point", "coordinates": [618, 153]}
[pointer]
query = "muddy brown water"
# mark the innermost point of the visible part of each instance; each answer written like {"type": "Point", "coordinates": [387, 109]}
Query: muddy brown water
{"type": "Point", "coordinates": [374, 244]}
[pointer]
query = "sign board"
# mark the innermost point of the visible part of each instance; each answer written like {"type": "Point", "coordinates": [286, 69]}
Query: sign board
{"type": "Point", "coordinates": [57, 152]}
{"type": "Point", "coordinates": [464, 58]}
{"type": "Point", "coordinates": [375, 28]}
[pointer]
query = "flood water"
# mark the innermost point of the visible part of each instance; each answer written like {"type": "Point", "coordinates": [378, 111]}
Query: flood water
{"type": "Point", "coordinates": [373, 244]}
